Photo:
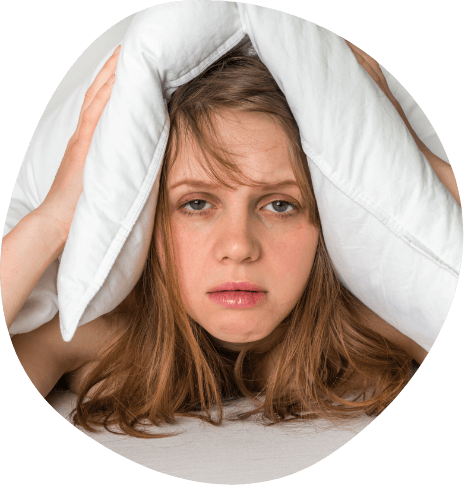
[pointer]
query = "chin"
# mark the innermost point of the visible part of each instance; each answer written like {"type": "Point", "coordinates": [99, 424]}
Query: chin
{"type": "Point", "coordinates": [226, 332]}
{"type": "Point", "coordinates": [238, 338]}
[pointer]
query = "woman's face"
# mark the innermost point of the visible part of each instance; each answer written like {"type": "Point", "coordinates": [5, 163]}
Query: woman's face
{"type": "Point", "coordinates": [260, 236]}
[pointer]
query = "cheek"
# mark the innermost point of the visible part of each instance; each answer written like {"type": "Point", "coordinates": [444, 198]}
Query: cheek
{"type": "Point", "coordinates": [292, 256]}
{"type": "Point", "coordinates": [190, 253]}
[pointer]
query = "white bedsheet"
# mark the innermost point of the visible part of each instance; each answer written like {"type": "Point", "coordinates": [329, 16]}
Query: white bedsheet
{"type": "Point", "coordinates": [235, 452]}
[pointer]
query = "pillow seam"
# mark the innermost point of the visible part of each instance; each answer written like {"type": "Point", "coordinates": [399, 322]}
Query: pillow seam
{"type": "Point", "coordinates": [216, 54]}
{"type": "Point", "coordinates": [121, 235]}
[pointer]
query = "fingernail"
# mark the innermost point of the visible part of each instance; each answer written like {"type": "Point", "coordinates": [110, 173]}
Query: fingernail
{"type": "Point", "coordinates": [111, 79]}
{"type": "Point", "coordinates": [116, 51]}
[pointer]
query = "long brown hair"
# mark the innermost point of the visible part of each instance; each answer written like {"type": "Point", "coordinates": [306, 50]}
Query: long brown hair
{"type": "Point", "coordinates": [331, 365]}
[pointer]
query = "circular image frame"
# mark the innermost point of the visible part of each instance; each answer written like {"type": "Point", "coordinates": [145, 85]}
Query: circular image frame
{"type": "Point", "coordinates": [420, 417]}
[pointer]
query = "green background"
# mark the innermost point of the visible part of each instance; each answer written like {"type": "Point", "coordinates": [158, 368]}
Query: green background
{"type": "Point", "coordinates": [418, 439]}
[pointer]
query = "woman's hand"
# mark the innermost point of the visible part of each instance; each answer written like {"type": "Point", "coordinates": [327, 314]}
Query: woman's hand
{"type": "Point", "coordinates": [60, 203]}
{"type": "Point", "coordinates": [441, 168]}
{"type": "Point", "coordinates": [373, 69]}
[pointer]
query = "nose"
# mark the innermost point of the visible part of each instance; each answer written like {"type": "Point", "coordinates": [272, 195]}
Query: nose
{"type": "Point", "coordinates": [237, 239]}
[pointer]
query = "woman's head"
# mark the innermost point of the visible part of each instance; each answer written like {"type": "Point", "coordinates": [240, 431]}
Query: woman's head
{"type": "Point", "coordinates": [233, 138]}
{"type": "Point", "coordinates": [231, 127]}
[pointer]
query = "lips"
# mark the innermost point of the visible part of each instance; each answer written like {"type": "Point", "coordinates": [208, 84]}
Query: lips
{"type": "Point", "coordinates": [238, 299]}
{"type": "Point", "coordinates": [241, 286]}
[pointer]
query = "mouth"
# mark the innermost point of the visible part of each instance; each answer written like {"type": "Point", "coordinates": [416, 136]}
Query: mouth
{"type": "Point", "coordinates": [243, 291]}
{"type": "Point", "coordinates": [240, 299]}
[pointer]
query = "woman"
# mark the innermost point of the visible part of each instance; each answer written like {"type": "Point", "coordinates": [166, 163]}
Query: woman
{"type": "Point", "coordinates": [289, 336]}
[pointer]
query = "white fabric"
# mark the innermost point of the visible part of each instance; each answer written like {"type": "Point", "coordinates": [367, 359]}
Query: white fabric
{"type": "Point", "coordinates": [235, 452]}
{"type": "Point", "coordinates": [392, 229]}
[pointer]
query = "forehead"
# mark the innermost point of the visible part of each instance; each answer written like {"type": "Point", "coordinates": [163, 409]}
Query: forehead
{"type": "Point", "coordinates": [254, 142]}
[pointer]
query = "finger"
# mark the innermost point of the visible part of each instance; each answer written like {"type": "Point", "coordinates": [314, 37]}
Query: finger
{"type": "Point", "coordinates": [372, 67]}
{"type": "Point", "coordinates": [375, 77]}
{"type": "Point", "coordinates": [360, 52]}
{"type": "Point", "coordinates": [100, 79]}
{"type": "Point", "coordinates": [92, 114]}
{"type": "Point", "coordinates": [368, 59]}
{"type": "Point", "coordinates": [367, 67]}
{"type": "Point", "coordinates": [109, 68]}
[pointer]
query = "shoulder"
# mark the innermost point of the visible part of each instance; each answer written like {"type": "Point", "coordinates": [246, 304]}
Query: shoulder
{"type": "Point", "coordinates": [89, 344]}
{"type": "Point", "coordinates": [92, 339]}
{"type": "Point", "coordinates": [45, 356]}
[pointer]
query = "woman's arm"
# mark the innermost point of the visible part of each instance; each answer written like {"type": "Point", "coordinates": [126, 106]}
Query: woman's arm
{"type": "Point", "coordinates": [444, 173]}
{"type": "Point", "coordinates": [373, 321]}
{"type": "Point", "coordinates": [27, 251]}
{"type": "Point", "coordinates": [39, 238]}
{"type": "Point", "coordinates": [442, 169]}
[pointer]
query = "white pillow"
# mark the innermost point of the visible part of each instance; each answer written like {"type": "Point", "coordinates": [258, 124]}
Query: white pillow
{"type": "Point", "coordinates": [392, 229]}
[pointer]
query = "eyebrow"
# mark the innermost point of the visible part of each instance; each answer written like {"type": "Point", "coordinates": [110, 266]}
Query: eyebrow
{"type": "Point", "coordinates": [209, 186]}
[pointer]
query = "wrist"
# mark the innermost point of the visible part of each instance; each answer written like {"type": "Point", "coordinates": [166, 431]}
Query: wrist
{"type": "Point", "coordinates": [27, 251]}
{"type": "Point", "coordinates": [53, 235]}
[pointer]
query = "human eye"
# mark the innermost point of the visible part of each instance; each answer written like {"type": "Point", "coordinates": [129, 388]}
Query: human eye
{"type": "Point", "coordinates": [197, 205]}
{"type": "Point", "coordinates": [281, 206]}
